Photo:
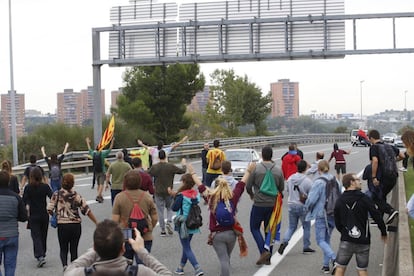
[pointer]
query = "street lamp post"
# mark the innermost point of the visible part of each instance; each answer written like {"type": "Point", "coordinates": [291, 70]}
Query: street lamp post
{"type": "Point", "coordinates": [405, 100]}
{"type": "Point", "coordinates": [360, 93]}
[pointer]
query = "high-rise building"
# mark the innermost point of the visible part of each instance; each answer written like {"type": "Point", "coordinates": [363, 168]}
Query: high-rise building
{"type": "Point", "coordinates": [114, 97]}
{"type": "Point", "coordinates": [200, 100]}
{"type": "Point", "coordinates": [285, 99]}
{"type": "Point", "coordinates": [76, 108]}
{"type": "Point", "coordinates": [6, 115]}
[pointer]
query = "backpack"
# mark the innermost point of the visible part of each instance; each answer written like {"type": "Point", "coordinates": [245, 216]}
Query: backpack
{"type": "Point", "coordinates": [268, 186]}
{"type": "Point", "coordinates": [194, 218]}
{"type": "Point", "coordinates": [54, 172]}
{"type": "Point", "coordinates": [216, 163]}
{"type": "Point", "coordinates": [137, 218]}
{"type": "Point", "coordinates": [332, 194]}
{"type": "Point", "coordinates": [130, 270]}
{"type": "Point", "coordinates": [97, 161]}
{"type": "Point", "coordinates": [225, 213]}
{"type": "Point", "coordinates": [387, 161]}
{"type": "Point", "coordinates": [350, 224]}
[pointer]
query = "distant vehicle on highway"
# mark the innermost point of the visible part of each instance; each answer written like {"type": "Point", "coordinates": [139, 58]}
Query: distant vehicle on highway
{"type": "Point", "coordinates": [398, 142]}
{"type": "Point", "coordinates": [239, 159]}
{"type": "Point", "coordinates": [356, 140]}
{"type": "Point", "coordinates": [389, 137]}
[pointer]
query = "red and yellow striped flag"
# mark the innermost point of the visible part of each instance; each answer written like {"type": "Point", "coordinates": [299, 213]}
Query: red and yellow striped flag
{"type": "Point", "coordinates": [108, 134]}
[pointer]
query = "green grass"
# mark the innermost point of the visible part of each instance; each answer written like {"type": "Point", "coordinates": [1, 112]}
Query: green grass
{"type": "Point", "coordinates": [409, 190]}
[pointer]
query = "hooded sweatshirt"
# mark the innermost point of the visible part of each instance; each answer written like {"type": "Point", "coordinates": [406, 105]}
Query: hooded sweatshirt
{"type": "Point", "coordinates": [289, 166]}
{"type": "Point", "coordinates": [355, 204]}
{"type": "Point", "coordinates": [187, 197]}
{"type": "Point", "coordinates": [303, 182]}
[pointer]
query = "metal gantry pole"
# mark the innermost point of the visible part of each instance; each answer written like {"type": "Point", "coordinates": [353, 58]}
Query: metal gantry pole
{"type": "Point", "coordinates": [360, 92]}
{"type": "Point", "coordinates": [12, 94]}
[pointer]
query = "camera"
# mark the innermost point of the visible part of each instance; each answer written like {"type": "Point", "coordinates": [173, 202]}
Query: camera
{"type": "Point", "coordinates": [128, 233]}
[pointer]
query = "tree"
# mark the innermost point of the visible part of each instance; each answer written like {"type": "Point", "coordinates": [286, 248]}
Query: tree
{"type": "Point", "coordinates": [155, 98]}
{"type": "Point", "coordinates": [237, 102]}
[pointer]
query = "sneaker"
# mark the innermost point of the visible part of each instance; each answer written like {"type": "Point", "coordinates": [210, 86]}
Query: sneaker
{"type": "Point", "coordinates": [199, 272]}
{"type": "Point", "coordinates": [179, 271]}
{"type": "Point", "coordinates": [163, 234]}
{"type": "Point", "coordinates": [308, 250]}
{"type": "Point", "coordinates": [169, 228]}
{"type": "Point", "coordinates": [41, 262]}
{"type": "Point", "coordinates": [263, 258]}
{"type": "Point", "coordinates": [373, 223]}
{"type": "Point", "coordinates": [392, 217]}
{"type": "Point", "coordinates": [334, 265]}
{"type": "Point", "coordinates": [64, 268]}
{"type": "Point", "coordinates": [282, 248]}
{"type": "Point", "coordinates": [267, 262]}
{"type": "Point", "coordinates": [325, 269]}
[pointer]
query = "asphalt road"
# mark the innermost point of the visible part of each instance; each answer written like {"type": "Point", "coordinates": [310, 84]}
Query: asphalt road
{"type": "Point", "coordinates": [168, 249]}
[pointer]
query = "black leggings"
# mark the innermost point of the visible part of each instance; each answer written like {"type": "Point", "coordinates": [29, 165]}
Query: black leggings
{"type": "Point", "coordinates": [69, 235]}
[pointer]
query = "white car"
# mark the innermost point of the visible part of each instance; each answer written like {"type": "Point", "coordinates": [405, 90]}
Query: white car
{"type": "Point", "coordinates": [398, 142]}
{"type": "Point", "coordinates": [240, 159]}
{"type": "Point", "coordinates": [389, 137]}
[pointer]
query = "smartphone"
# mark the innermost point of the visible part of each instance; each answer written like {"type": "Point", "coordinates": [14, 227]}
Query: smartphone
{"type": "Point", "coordinates": [128, 233]}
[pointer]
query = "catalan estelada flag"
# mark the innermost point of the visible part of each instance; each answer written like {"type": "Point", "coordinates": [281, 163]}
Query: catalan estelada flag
{"type": "Point", "coordinates": [108, 134]}
{"type": "Point", "coordinates": [273, 228]}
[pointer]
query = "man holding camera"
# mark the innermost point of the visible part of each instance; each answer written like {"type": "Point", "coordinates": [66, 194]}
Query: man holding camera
{"type": "Point", "coordinates": [106, 255]}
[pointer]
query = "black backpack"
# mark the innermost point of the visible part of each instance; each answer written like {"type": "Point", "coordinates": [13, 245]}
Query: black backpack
{"type": "Point", "coordinates": [332, 193]}
{"type": "Point", "coordinates": [387, 161]}
{"type": "Point", "coordinates": [97, 162]}
{"type": "Point", "coordinates": [194, 218]}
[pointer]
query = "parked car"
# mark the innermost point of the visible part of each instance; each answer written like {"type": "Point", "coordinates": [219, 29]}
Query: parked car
{"type": "Point", "coordinates": [389, 137]}
{"type": "Point", "coordinates": [398, 142]}
{"type": "Point", "coordinates": [240, 159]}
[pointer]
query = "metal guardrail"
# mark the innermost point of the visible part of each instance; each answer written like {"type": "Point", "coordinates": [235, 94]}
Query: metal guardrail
{"type": "Point", "coordinates": [80, 159]}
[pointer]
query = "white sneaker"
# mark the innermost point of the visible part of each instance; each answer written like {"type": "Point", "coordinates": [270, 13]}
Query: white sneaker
{"type": "Point", "coordinates": [169, 229]}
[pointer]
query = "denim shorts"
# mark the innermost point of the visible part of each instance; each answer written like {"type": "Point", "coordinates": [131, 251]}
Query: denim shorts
{"type": "Point", "coordinates": [348, 249]}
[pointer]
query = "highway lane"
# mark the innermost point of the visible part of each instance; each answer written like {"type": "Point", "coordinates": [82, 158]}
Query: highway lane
{"type": "Point", "coordinates": [168, 249]}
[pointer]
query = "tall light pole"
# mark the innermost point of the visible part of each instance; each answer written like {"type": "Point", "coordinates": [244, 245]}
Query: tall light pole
{"type": "Point", "coordinates": [12, 93]}
{"type": "Point", "coordinates": [405, 100]}
{"type": "Point", "coordinates": [360, 93]}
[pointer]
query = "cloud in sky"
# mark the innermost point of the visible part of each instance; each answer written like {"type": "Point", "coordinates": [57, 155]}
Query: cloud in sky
{"type": "Point", "coordinates": [53, 51]}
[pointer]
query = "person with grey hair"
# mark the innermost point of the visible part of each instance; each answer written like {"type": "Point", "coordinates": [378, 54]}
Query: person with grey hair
{"type": "Point", "coordinates": [117, 170]}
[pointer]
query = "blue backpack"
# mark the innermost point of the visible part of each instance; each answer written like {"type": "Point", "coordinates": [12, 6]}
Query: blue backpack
{"type": "Point", "coordinates": [225, 213]}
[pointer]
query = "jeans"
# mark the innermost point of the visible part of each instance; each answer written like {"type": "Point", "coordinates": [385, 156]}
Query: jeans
{"type": "Point", "coordinates": [161, 203]}
{"type": "Point", "coordinates": [210, 177]}
{"type": "Point", "coordinates": [257, 216]}
{"type": "Point", "coordinates": [323, 231]}
{"type": "Point", "coordinates": [223, 244]}
{"type": "Point", "coordinates": [296, 213]}
{"type": "Point", "coordinates": [8, 248]}
{"type": "Point", "coordinates": [130, 253]}
{"type": "Point", "coordinates": [188, 252]}
{"type": "Point", "coordinates": [55, 184]}
{"type": "Point", "coordinates": [113, 195]}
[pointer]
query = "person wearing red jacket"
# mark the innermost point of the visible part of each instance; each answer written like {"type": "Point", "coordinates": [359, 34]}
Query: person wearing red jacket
{"type": "Point", "coordinates": [289, 162]}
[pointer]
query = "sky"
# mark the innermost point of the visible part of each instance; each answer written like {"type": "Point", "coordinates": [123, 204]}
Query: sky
{"type": "Point", "coordinates": [52, 51]}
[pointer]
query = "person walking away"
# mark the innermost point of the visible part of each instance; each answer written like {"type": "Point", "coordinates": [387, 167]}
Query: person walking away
{"type": "Point", "coordinates": [185, 197]}
{"type": "Point", "coordinates": [263, 204]}
{"type": "Point", "coordinates": [12, 210]}
{"type": "Point", "coordinates": [204, 162]}
{"type": "Point", "coordinates": [117, 170]}
{"type": "Point", "coordinates": [99, 169]}
{"type": "Point", "coordinates": [13, 182]}
{"type": "Point", "coordinates": [105, 258]}
{"type": "Point", "coordinates": [227, 175]}
{"type": "Point", "coordinates": [384, 172]}
{"type": "Point", "coordinates": [34, 196]}
{"type": "Point", "coordinates": [124, 203]}
{"type": "Point", "coordinates": [351, 220]}
{"type": "Point", "coordinates": [298, 186]}
{"type": "Point", "coordinates": [340, 163]}
{"type": "Point", "coordinates": [324, 222]}
{"type": "Point", "coordinates": [55, 167]}
{"type": "Point", "coordinates": [289, 162]}
{"type": "Point", "coordinates": [214, 158]}
{"type": "Point", "coordinates": [67, 203]}
{"type": "Point", "coordinates": [295, 147]}
{"type": "Point", "coordinates": [127, 158]}
{"type": "Point", "coordinates": [146, 179]}
{"type": "Point", "coordinates": [223, 198]}
{"type": "Point", "coordinates": [155, 150]}
{"type": "Point", "coordinates": [26, 174]}
{"type": "Point", "coordinates": [164, 173]}
{"type": "Point", "coordinates": [312, 172]}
